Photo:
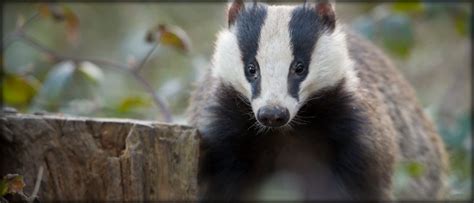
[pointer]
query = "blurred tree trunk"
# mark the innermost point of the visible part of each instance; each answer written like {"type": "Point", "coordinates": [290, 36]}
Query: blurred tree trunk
{"type": "Point", "coordinates": [100, 159]}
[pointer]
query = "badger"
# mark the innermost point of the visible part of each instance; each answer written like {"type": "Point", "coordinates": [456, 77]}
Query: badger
{"type": "Point", "coordinates": [295, 100]}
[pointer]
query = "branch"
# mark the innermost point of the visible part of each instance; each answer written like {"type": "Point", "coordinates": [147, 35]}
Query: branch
{"type": "Point", "coordinates": [157, 99]}
{"type": "Point", "coordinates": [12, 37]}
{"type": "Point", "coordinates": [144, 60]}
{"type": "Point", "coordinates": [28, 21]}
{"type": "Point", "coordinates": [134, 70]}
{"type": "Point", "coordinates": [37, 185]}
{"type": "Point", "coordinates": [60, 57]}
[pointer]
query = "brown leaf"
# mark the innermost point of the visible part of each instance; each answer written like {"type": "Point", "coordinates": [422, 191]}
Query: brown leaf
{"type": "Point", "coordinates": [15, 183]}
{"type": "Point", "coordinates": [60, 14]}
{"type": "Point", "coordinates": [44, 10]}
{"type": "Point", "coordinates": [169, 35]}
{"type": "Point", "coordinates": [51, 10]}
{"type": "Point", "coordinates": [72, 25]}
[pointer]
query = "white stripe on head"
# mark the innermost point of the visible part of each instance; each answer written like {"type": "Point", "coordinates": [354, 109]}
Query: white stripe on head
{"type": "Point", "coordinates": [227, 63]}
{"type": "Point", "coordinates": [330, 64]}
{"type": "Point", "coordinates": [274, 57]}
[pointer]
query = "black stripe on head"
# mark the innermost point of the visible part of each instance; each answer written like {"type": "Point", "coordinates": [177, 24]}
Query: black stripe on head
{"type": "Point", "coordinates": [248, 27]}
{"type": "Point", "coordinates": [305, 27]}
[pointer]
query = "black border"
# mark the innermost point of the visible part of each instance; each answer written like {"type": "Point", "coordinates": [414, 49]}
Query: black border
{"type": "Point", "coordinates": [276, 1]}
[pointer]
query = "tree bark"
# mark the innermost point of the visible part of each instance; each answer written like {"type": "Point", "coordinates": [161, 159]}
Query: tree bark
{"type": "Point", "coordinates": [100, 159]}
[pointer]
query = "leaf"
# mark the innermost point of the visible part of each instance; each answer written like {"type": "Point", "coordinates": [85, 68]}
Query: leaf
{"type": "Point", "coordinates": [414, 6]}
{"type": "Point", "coordinates": [12, 183]}
{"type": "Point", "coordinates": [72, 25]}
{"type": "Point", "coordinates": [62, 13]}
{"type": "Point", "coordinates": [415, 169]}
{"type": "Point", "coordinates": [18, 90]}
{"type": "Point", "coordinates": [169, 35]}
{"type": "Point", "coordinates": [397, 34]}
{"type": "Point", "coordinates": [132, 102]}
{"type": "Point", "coordinates": [92, 72]}
{"type": "Point", "coordinates": [56, 80]}
{"type": "Point", "coordinates": [461, 23]}
{"type": "Point", "coordinates": [3, 187]}
{"type": "Point", "coordinates": [44, 10]}
{"type": "Point", "coordinates": [51, 10]}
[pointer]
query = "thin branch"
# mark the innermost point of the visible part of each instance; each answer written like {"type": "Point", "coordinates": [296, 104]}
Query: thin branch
{"type": "Point", "coordinates": [32, 42]}
{"type": "Point", "coordinates": [145, 60]}
{"type": "Point", "coordinates": [159, 102]}
{"type": "Point", "coordinates": [57, 56]}
{"type": "Point", "coordinates": [29, 20]}
{"type": "Point", "coordinates": [156, 98]}
{"type": "Point", "coordinates": [37, 185]}
{"type": "Point", "coordinates": [12, 37]}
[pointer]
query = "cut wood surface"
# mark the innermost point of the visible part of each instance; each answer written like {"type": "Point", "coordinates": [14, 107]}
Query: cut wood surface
{"type": "Point", "coordinates": [100, 159]}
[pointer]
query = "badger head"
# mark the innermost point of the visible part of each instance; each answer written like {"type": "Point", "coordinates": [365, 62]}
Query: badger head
{"type": "Point", "coordinates": [277, 57]}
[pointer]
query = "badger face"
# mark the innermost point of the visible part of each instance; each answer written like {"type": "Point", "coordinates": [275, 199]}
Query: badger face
{"type": "Point", "coordinates": [279, 56]}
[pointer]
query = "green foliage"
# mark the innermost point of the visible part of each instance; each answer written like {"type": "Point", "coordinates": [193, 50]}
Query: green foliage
{"type": "Point", "coordinates": [461, 22]}
{"type": "Point", "coordinates": [131, 102]}
{"type": "Point", "coordinates": [414, 6]}
{"type": "Point", "coordinates": [91, 72]}
{"type": "Point", "coordinates": [3, 187]}
{"type": "Point", "coordinates": [397, 32]}
{"type": "Point", "coordinates": [11, 183]}
{"type": "Point", "coordinates": [65, 80]}
{"type": "Point", "coordinates": [393, 26]}
{"type": "Point", "coordinates": [406, 171]}
{"type": "Point", "coordinates": [18, 91]}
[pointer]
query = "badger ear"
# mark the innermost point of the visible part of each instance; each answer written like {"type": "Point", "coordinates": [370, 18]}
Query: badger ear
{"type": "Point", "coordinates": [234, 9]}
{"type": "Point", "coordinates": [326, 10]}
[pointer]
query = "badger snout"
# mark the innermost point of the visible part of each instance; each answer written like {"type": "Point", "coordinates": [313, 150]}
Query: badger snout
{"type": "Point", "coordinates": [273, 116]}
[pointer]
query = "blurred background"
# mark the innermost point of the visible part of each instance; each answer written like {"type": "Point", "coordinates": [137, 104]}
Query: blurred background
{"type": "Point", "coordinates": [86, 59]}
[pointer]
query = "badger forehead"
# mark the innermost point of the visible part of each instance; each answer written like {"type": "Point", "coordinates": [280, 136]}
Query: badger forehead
{"type": "Point", "coordinates": [262, 29]}
{"type": "Point", "coordinates": [275, 36]}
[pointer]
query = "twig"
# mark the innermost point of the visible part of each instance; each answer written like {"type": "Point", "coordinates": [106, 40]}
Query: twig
{"type": "Point", "coordinates": [145, 60]}
{"type": "Point", "coordinates": [57, 56]}
{"type": "Point", "coordinates": [157, 99]}
{"type": "Point", "coordinates": [9, 39]}
{"type": "Point", "coordinates": [20, 34]}
{"type": "Point", "coordinates": [37, 185]}
{"type": "Point", "coordinates": [29, 20]}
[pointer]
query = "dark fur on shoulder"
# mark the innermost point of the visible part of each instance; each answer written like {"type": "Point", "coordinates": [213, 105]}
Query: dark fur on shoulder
{"type": "Point", "coordinates": [234, 158]}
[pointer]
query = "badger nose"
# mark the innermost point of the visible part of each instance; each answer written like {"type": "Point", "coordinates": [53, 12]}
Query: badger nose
{"type": "Point", "coordinates": [273, 116]}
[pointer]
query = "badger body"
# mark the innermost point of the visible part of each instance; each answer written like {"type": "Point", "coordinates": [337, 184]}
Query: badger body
{"type": "Point", "coordinates": [295, 100]}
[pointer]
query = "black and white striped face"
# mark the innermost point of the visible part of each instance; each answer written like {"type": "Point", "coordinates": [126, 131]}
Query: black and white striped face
{"type": "Point", "coordinates": [278, 56]}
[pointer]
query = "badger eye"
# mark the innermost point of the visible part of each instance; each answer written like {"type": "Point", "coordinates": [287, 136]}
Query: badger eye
{"type": "Point", "coordinates": [251, 69]}
{"type": "Point", "coordinates": [299, 68]}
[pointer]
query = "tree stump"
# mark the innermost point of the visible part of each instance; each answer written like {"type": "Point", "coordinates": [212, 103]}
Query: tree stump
{"type": "Point", "coordinates": [100, 159]}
